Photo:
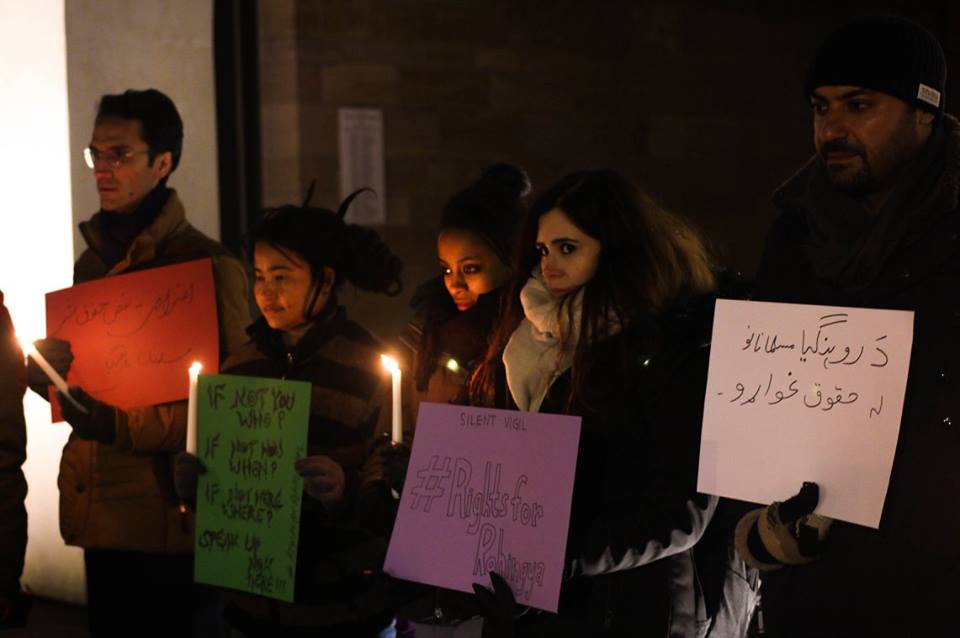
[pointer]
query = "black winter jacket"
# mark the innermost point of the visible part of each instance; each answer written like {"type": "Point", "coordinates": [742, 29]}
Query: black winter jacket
{"type": "Point", "coordinates": [904, 578]}
{"type": "Point", "coordinates": [636, 514]}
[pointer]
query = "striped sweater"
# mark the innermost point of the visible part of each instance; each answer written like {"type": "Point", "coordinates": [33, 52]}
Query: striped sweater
{"type": "Point", "coordinates": [349, 419]}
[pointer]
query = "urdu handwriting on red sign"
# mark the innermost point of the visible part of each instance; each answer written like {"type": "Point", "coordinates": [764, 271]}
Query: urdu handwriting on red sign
{"type": "Point", "coordinates": [134, 335]}
{"type": "Point", "coordinates": [133, 316]}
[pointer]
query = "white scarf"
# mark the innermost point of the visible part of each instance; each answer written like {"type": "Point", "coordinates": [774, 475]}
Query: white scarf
{"type": "Point", "coordinates": [533, 358]}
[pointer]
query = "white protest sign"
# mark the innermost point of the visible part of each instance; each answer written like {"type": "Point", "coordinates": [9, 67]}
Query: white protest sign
{"type": "Point", "coordinates": [805, 393]}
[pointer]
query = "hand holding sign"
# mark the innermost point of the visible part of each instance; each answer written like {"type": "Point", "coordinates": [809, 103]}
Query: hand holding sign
{"type": "Point", "coordinates": [498, 607]}
{"type": "Point", "coordinates": [804, 393]}
{"type": "Point", "coordinates": [323, 478]}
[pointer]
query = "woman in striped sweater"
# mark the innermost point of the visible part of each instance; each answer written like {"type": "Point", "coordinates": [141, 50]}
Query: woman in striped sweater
{"type": "Point", "coordinates": [301, 256]}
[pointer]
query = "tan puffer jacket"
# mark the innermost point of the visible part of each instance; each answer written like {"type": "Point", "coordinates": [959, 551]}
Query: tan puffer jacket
{"type": "Point", "coordinates": [121, 496]}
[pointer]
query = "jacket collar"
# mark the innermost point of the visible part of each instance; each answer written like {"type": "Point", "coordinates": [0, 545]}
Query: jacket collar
{"type": "Point", "coordinates": [170, 221]}
{"type": "Point", "coordinates": [851, 248]}
{"type": "Point", "coordinates": [325, 327]}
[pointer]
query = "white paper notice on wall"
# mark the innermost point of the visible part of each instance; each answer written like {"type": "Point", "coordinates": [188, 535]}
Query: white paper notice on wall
{"type": "Point", "coordinates": [362, 164]}
{"type": "Point", "coordinates": [805, 393]}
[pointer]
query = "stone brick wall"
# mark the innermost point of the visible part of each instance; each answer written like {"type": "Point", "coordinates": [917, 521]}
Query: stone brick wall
{"type": "Point", "coordinates": [698, 101]}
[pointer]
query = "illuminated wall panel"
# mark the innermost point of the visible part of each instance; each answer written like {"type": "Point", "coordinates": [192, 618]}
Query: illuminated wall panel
{"type": "Point", "coordinates": [36, 250]}
{"type": "Point", "coordinates": [56, 59]}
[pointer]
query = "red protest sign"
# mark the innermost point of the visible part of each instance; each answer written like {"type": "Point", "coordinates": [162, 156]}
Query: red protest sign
{"type": "Point", "coordinates": [134, 336]}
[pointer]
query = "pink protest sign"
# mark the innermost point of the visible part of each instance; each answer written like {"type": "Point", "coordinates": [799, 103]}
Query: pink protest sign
{"type": "Point", "coordinates": [134, 336]}
{"type": "Point", "coordinates": [487, 490]}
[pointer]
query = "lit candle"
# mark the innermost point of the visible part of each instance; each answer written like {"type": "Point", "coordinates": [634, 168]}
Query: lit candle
{"type": "Point", "coordinates": [192, 409]}
{"type": "Point", "coordinates": [397, 425]}
{"type": "Point", "coordinates": [55, 378]}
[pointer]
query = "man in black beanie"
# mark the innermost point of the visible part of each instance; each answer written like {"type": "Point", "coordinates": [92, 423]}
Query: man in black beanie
{"type": "Point", "coordinates": [872, 220]}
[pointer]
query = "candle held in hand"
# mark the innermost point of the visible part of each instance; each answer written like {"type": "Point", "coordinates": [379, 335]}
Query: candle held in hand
{"type": "Point", "coordinates": [397, 423]}
{"type": "Point", "coordinates": [55, 378]}
{"type": "Point", "coordinates": [192, 408]}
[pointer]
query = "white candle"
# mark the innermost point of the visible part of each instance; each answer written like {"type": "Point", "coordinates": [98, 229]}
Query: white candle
{"type": "Point", "coordinates": [397, 424]}
{"type": "Point", "coordinates": [55, 378]}
{"type": "Point", "coordinates": [192, 409]}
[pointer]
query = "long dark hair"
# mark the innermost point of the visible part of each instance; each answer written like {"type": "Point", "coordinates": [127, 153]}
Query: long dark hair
{"type": "Point", "coordinates": [649, 261]}
{"type": "Point", "coordinates": [490, 208]}
{"type": "Point", "coordinates": [321, 238]}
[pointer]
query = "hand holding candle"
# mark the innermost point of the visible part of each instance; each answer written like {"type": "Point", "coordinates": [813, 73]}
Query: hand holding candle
{"type": "Point", "coordinates": [31, 351]}
{"type": "Point", "coordinates": [397, 423]}
{"type": "Point", "coordinates": [192, 409]}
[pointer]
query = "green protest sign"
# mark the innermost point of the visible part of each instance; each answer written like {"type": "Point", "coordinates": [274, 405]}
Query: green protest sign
{"type": "Point", "coordinates": [250, 433]}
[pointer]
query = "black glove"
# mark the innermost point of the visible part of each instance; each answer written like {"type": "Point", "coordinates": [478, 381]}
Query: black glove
{"type": "Point", "coordinates": [396, 458]}
{"type": "Point", "coordinates": [498, 607]}
{"type": "Point", "coordinates": [187, 469]}
{"type": "Point", "coordinates": [98, 423]}
{"type": "Point", "coordinates": [58, 354]}
{"type": "Point", "coordinates": [786, 533]}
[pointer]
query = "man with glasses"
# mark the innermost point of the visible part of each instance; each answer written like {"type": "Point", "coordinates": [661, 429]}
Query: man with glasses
{"type": "Point", "coordinates": [117, 499]}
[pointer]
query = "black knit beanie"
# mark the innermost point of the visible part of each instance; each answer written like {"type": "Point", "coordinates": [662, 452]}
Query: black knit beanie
{"type": "Point", "coordinates": [490, 207]}
{"type": "Point", "coordinates": [886, 54]}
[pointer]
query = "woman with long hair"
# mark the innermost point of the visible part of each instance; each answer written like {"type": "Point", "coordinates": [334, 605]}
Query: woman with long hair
{"type": "Point", "coordinates": [301, 258]}
{"type": "Point", "coordinates": [455, 311]}
{"type": "Point", "coordinates": [609, 319]}
{"type": "Point", "coordinates": [455, 314]}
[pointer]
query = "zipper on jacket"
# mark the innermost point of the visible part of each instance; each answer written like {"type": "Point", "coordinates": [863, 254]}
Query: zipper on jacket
{"type": "Point", "coordinates": [289, 365]}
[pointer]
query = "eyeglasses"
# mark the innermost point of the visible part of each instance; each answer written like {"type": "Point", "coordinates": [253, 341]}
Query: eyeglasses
{"type": "Point", "coordinates": [113, 160]}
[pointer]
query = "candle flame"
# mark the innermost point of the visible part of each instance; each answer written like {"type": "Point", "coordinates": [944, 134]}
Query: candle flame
{"type": "Point", "coordinates": [390, 364]}
{"type": "Point", "coordinates": [195, 369]}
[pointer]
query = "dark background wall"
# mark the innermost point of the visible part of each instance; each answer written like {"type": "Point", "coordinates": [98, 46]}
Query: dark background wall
{"type": "Point", "coordinates": [697, 101]}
